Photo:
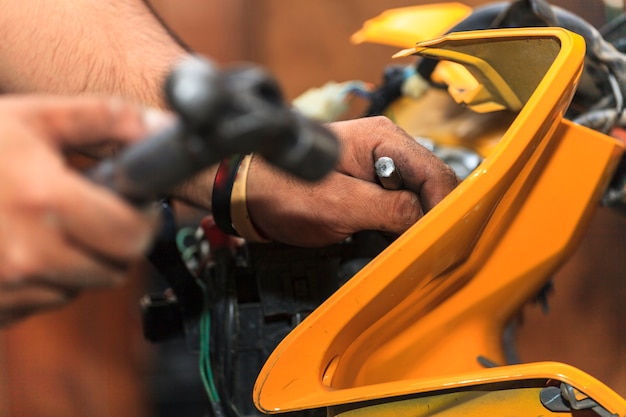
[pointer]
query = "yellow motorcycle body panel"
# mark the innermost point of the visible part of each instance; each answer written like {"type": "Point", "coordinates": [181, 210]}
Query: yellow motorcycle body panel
{"type": "Point", "coordinates": [492, 399]}
{"type": "Point", "coordinates": [437, 117]}
{"type": "Point", "coordinates": [405, 26]}
{"type": "Point", "coordinates": [416, 319]}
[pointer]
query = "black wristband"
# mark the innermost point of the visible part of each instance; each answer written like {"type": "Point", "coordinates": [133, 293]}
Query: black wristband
{"type": "Point", "coordinates": [222, 190]}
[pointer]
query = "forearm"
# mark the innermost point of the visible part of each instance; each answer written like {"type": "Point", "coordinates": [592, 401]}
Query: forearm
{"type": "Point", "coordinates": [85, 46]}
{"type": "Point", "coordinates": [198, 190]}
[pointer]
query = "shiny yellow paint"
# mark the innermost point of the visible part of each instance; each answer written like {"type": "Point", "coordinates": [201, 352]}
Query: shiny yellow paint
{"type": "Point", "coordinates": [451, 73]}
{"type": "Point", "coordinates": [404, 27]}
{"type": "Point", "coordinates": [437, 117]}
{"type": "Point", "coordinates": [481, 89]}
{"type": "Point", "coordinates": [416, 318]}
{"type": "Point", "coordinates": [481, 402]}
{"type": "Point", "coordinates": [496, 68]}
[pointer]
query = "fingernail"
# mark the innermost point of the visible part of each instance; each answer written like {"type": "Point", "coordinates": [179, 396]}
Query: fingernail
{"type": "Point", "coordinates": [155, 120]}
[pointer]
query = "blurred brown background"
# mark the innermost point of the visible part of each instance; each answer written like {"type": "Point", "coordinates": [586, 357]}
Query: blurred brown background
{"type": "Point", "coordinates": [90, 359]}
{"type": "Point", "coordinates": [304, 43]}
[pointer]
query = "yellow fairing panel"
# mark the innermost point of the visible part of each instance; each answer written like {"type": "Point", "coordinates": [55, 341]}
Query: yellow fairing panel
{"type": "Point", "coordinates": [505, 73]}
{"type": "Point", "coordinates": [417, 317]}
{"type": "Point", "coordinates": [437, 117]}
{"type": "Point", "coordinates": [404, 27]}
{"type": "Point", "coordinates": [488, 396]}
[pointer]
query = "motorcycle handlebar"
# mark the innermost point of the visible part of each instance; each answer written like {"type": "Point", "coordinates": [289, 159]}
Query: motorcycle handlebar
{"type": "Point", "coordinates": [219, 113]}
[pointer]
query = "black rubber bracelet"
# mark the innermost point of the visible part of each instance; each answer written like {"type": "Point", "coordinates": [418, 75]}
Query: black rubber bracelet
{"type": "Point", "coordinates": [222, 190]}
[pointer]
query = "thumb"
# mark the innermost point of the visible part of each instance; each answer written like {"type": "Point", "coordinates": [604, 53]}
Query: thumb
{"type": "Point", "coordinates": [79, 121]}
{"type": "Point", "coordinates": [375, 208]}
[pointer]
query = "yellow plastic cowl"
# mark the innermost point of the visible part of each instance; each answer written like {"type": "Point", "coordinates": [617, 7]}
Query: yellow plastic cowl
{"type": "Point", "coordinates": [405, 26]}
{"type": "Point", "coordinates": [416, 318]}
{"type": "Point", "coordinates": [513, 391]}
{"type": "Point", "coordinates": [505, 71]}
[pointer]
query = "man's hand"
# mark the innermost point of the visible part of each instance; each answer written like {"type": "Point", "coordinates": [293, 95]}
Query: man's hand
{"type": "Point", "coordinates": [350, 199]}
{"type": "Point", "coordinates": [59, 233]}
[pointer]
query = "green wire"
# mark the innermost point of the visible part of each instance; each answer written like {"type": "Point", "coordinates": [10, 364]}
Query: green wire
{"type": "Point", "coordinates": [182, 235]}
{"type": "Point", "coordinates": [204, 363]}
{"type": "Point", "coordinates": [206, 372]}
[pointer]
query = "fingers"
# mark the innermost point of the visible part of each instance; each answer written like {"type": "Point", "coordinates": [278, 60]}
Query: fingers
{"type": "Point", "coordinates": [303, 214]}
{"type": "Point", "coordinates": [350, 199]}
{"type": "Point", "coordinates": [59, 233]}
{"type": "Point", "coordinates": [18, 303]}
{"type": "Point", "coordinates": [73, 270]}
{"type": "Point", "coordinates": [422, 172]}
{"type": "Point", "coordinates": [39, 253]}
{"type": "Point", "coordinates": [366, 140]}
{"type": "Point", "coordinates": [40, 270]}
{"type": "Point", "coordinates": [77, 121]}
{"type": "Point", "coordinates": [363, 205]}
{"type": "Point", "coordinates": [92, 218]}
{"type": "Point", "coordinates": [89, 215]}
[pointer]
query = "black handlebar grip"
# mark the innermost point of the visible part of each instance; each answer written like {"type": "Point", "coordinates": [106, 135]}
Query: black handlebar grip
{"type": "Point", "coordinates": [313, 153]}
{"type": "Point", "coordinates": [219, 114]}
{"type": "Point", "coordinates": [153, 166]}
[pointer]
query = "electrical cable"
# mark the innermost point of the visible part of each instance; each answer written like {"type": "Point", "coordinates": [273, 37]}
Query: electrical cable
{"type": "Point", "coordinates": [206, 371]}
{"type": "Point", "coordinates": [190, 252]}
